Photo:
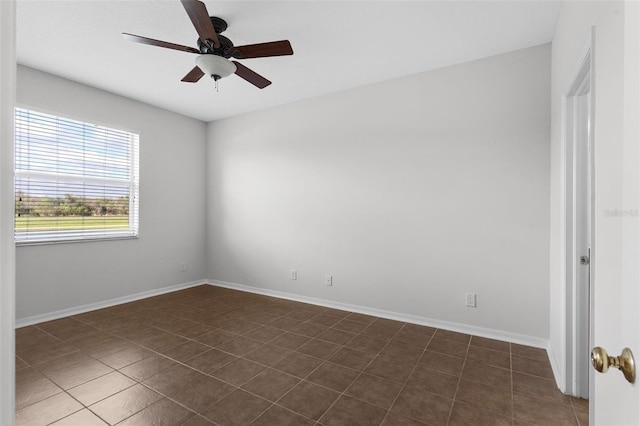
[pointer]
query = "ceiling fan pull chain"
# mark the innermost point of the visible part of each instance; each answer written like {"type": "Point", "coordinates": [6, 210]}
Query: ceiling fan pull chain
{"type": "Point", "coordinates": [217, 91]}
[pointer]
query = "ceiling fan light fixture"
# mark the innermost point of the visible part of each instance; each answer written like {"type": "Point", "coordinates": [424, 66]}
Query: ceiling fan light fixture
{"type": "Point", "coordinates": [215, 66]}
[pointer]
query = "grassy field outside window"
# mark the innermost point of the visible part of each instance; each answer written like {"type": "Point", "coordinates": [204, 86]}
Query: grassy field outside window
{"type": "Point", "coordinates": [70, 223]}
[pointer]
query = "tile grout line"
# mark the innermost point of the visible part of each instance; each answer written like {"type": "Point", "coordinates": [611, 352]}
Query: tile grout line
{"type": "Point", "coordinates": [362, 372]}
{"type": "Point", "coordinates": [233, 385]}
{"type": "Point", "coordinates": [222, 380]}
{"type": "Point", "coordinates": [513, 408]}
{"type": "Point", "coordinates": [304, 379]}
{"type": "Point", "coordinates": [238, 312]}
{"type": "Point", "coordinates": [455, 394]}
{"type": "Point", "coordinates": [136, 380]}
{"type": "Point", "coordinates": [404, 385]}
{"type": "Point", "coordinates": [66, 391]}
{"type": "Point", "coordinates": [275, 403]}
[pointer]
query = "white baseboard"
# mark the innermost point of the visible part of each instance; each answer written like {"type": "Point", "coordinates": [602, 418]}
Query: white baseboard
{"type": "Point", "coordinates": [506, 336]}
{"type": "Point", "coordinates": [557, 371]}
{"type": "Point", "coordinates": [398, 316]}
{"type": "Point", "coordinates": [36, 319]}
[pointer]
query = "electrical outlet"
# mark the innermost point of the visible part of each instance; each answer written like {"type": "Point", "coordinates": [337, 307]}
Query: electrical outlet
{"type": "Point", "coordinates": [293, 274]}
{"type": "Point", "coordinates": [328, 280]}
{"type": "Point", "coordinates": [470, 300]}
{"type": "Point", "coordinates": [183, 267]}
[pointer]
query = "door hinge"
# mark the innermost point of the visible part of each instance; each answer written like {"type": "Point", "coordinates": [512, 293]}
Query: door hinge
{"type": "Point", "coordinates": [584, 260]}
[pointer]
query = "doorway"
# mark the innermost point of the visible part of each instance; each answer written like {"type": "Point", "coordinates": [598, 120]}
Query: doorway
{"type": "Point", "coordinates": [579, 252]}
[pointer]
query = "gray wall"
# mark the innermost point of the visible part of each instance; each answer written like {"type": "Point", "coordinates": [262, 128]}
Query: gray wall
{"type": "Point", "coordinates": [172, 187]}
{"type": "Point", "coordinates": [410, 193]}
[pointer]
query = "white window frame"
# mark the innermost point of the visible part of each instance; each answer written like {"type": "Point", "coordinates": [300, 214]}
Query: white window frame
{"type": "Point", "coordinates": [67, 236]}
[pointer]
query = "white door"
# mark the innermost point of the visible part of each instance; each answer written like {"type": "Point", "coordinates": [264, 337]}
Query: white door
{"type": "Point", "coordinates": [616, 295]}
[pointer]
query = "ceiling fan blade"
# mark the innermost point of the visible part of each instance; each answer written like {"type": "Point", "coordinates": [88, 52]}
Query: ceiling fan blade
{"type": "Point", "coordinates": [199, 16]}
{"type": "Point", "coordinates": [261, 50]}
{"type": "Point", "coordinates": [251, 76]}
{"type": "Point", "coordinates": [159, 43]}
{"type": "Point", "coordinates": [194, 75]}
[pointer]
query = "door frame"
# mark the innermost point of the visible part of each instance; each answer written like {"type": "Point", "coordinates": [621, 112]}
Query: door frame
{"type": "Point", "coordinates": [578, 304]}
{"type": "Point", "coordinates": [7, 246]}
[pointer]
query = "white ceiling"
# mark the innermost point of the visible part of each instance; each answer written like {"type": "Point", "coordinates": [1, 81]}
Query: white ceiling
{"type": "Point", "coordinates": [337, 45]}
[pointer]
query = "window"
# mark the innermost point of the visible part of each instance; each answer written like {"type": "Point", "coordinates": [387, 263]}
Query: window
{"type": "Point", "coordinates": [74, 181]}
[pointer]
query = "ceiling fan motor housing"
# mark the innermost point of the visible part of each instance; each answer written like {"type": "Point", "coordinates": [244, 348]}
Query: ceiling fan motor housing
{"type": "Point", "coordinates": [220, 25]}
{"type": "Point", "coordinates": [225, 45]}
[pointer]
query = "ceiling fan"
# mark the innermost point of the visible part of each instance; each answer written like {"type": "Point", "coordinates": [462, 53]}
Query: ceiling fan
{"type": "Point", "coordinates": [214, 49]}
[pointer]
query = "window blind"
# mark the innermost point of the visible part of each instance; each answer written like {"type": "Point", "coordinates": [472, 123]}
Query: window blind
{"type": "Point", "coordinates": [73, 180]}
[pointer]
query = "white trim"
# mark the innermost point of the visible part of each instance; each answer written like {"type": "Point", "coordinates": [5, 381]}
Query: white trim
{"type": "Point", "coordinates": [585, 53]}
{"type": "Point", "coordinates": [561, 355]}
{"type": "Point", "coordinates": [7, 248]}
{"type": "Point", "coordinates": [555, 367]}
{"type": "Point", "coordinates": [45, 242]}
{"type": "Point", "coordinates": [36, 319]}
{"type": "Point", "coordinates": [506, 336]}
{"type": "Point", "coordinates": [565, 370]}
{"type": "Point", "coordinates": [413, 319]}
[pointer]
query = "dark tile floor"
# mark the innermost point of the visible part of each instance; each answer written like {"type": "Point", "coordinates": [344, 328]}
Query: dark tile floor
{"type": "Point", "coordinates": [213, 356]}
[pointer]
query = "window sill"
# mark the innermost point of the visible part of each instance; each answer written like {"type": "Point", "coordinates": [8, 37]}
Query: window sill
{"type": "Point", "coordinates": [26, 243]}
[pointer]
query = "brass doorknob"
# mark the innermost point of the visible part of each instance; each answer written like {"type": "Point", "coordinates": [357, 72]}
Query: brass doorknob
{"type": "Point", "coordinates": [601, 361]}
